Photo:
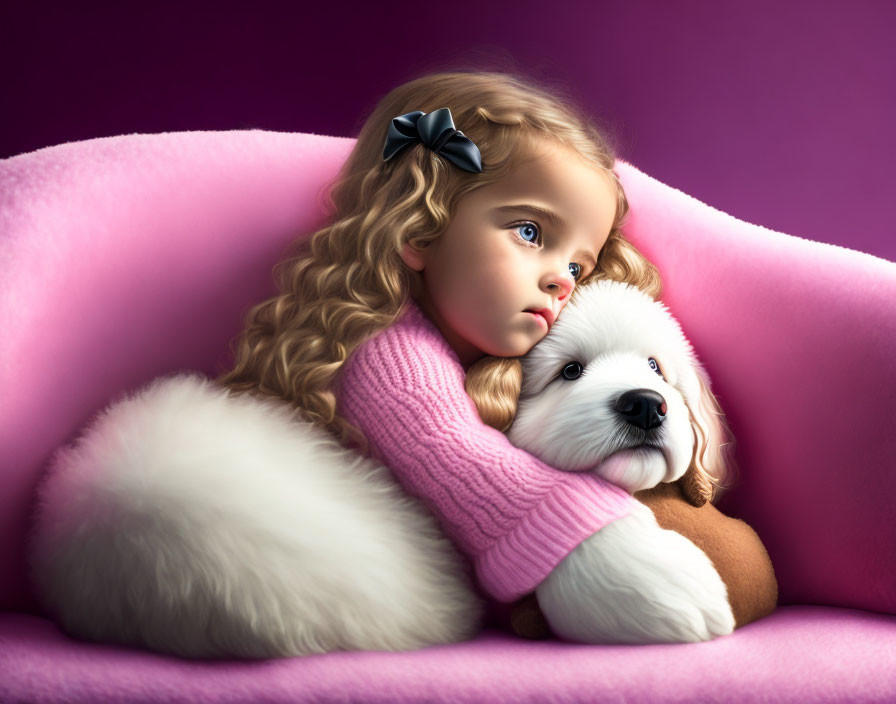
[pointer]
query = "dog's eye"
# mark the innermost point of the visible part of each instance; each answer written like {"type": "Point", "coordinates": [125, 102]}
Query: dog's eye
{"type": "Point", "coordinates": [573, 370]}
{"type": "Point", "coordinates": [653, 365]}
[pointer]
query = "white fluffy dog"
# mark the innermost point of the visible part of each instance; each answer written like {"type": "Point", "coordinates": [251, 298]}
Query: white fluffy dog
{"type": "Point", "coordinates": [194, 521]}
{"type": "Point", "coordinates": [615, 388]}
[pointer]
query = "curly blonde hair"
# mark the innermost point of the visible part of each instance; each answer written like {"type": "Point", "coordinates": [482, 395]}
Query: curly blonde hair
{"type": "Point", "coordinates": [347, 281]}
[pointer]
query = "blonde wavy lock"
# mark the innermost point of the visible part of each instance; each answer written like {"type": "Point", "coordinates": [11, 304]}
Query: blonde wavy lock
{"type": "Point", "coordinates": [347, 281]}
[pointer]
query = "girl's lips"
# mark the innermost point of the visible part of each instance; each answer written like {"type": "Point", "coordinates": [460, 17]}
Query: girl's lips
{"type": "Point", "coordinates": [538, 317]}
{"type": "Point", "coordinates": [544, 315]}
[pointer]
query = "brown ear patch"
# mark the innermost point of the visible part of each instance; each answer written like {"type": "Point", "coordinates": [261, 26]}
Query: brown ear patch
{"type": "Point", "coordinates": [732, 546]}
{"type": "Point", "coordinates": [697, 490]}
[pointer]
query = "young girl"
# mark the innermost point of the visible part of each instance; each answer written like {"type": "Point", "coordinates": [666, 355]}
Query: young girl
{"type": "Point", "coordinates": [470, 208]}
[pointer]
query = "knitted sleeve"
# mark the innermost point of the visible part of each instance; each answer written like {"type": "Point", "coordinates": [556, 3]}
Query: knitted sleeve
{"type": "Point", "coordinates": [512, 514]}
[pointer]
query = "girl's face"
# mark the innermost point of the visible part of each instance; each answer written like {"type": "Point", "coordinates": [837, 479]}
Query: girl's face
{"type": "Point", "coordinates": [498, 260]}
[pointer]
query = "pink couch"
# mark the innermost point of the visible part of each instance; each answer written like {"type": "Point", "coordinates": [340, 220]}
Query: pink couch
{"type": "Point", "coordinates": [129, 257]}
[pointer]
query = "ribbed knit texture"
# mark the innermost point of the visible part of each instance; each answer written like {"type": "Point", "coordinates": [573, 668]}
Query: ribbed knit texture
{"type": "Point", "coordinates": [513, 515]}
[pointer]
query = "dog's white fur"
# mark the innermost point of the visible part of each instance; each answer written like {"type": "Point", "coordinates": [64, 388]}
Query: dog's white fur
{"type": "Point", "coordinates": [193, 521]}
{"type": "Point", "coordinates": [632, 581]}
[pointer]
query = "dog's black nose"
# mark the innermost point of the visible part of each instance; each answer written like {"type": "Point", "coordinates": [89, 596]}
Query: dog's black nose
{"type": "Point", "coordinates": [644, 408]}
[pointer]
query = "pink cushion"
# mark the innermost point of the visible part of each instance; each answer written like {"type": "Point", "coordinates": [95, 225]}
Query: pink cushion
{"type": "Point", "coordinates": [798, 654]}
{"type": "Point", "coordinates": [127, 257]}
{"type": "Point", "coordinates": [799, 339]}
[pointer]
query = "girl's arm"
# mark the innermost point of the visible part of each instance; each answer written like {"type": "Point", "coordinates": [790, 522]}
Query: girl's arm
{"type": "Point", "coordinates": [513, 515]}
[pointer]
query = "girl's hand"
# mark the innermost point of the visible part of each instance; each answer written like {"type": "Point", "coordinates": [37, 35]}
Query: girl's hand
{"type": "Point", "coordinates": [634, 582]}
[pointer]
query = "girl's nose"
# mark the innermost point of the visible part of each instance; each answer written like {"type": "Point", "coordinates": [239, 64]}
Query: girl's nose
{"type": "Point", "coordinates": [558, 285]}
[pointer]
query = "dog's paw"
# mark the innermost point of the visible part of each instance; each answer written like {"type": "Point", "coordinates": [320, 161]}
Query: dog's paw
{"type": "Point", "coordinates": [634, 582]}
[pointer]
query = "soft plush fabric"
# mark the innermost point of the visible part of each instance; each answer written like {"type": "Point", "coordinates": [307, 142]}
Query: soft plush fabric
{"type": "Point", "coordinates": [512, 514]}
{"type": "Point", "coordinates": [128, 257]}
{"type": "Point", "coordinates": [798, 654]}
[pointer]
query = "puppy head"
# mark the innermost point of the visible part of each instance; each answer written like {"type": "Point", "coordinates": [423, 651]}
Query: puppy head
{"type": "Point", "coordinates": [614, 388]}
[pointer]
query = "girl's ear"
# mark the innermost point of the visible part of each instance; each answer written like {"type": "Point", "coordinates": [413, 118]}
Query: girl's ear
{"type": "Point", "coordinates": [413, 257]}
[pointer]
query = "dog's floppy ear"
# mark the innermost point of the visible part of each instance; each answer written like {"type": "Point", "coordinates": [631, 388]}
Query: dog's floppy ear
{"type": "Point", "coordinates": [494, 384]}
{"type": "Point", "coordinates": [711, 467]}
{"type": "Point", "coordinates": [696, 488]}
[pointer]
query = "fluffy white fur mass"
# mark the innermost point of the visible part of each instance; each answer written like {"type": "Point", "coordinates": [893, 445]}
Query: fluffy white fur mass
{"type": "Point", "coordinates": [193, 521]}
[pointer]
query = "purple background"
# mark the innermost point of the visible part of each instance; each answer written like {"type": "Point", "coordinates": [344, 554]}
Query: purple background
{"type": "Point", "coordinates": [779, 113]}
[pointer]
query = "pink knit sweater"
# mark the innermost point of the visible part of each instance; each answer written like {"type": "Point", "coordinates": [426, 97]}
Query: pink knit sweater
{"type": "Point", "coordinates": [512, 514]}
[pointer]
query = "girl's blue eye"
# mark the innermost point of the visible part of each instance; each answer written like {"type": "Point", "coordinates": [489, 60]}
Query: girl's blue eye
{"type": "Point", "coordinates": [530, 229]}
{"type": "Point", "coordinates": [533, 231]}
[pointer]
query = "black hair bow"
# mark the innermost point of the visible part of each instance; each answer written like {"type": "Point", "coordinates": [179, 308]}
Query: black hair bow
{"type": "Point", "coordinates": [435, 130]}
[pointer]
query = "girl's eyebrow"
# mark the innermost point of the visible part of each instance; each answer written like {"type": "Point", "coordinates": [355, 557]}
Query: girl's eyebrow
{"type": "Point", "coordinates": [552, 218]}
{"type": "Point", "coordinates": [548, 215]}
